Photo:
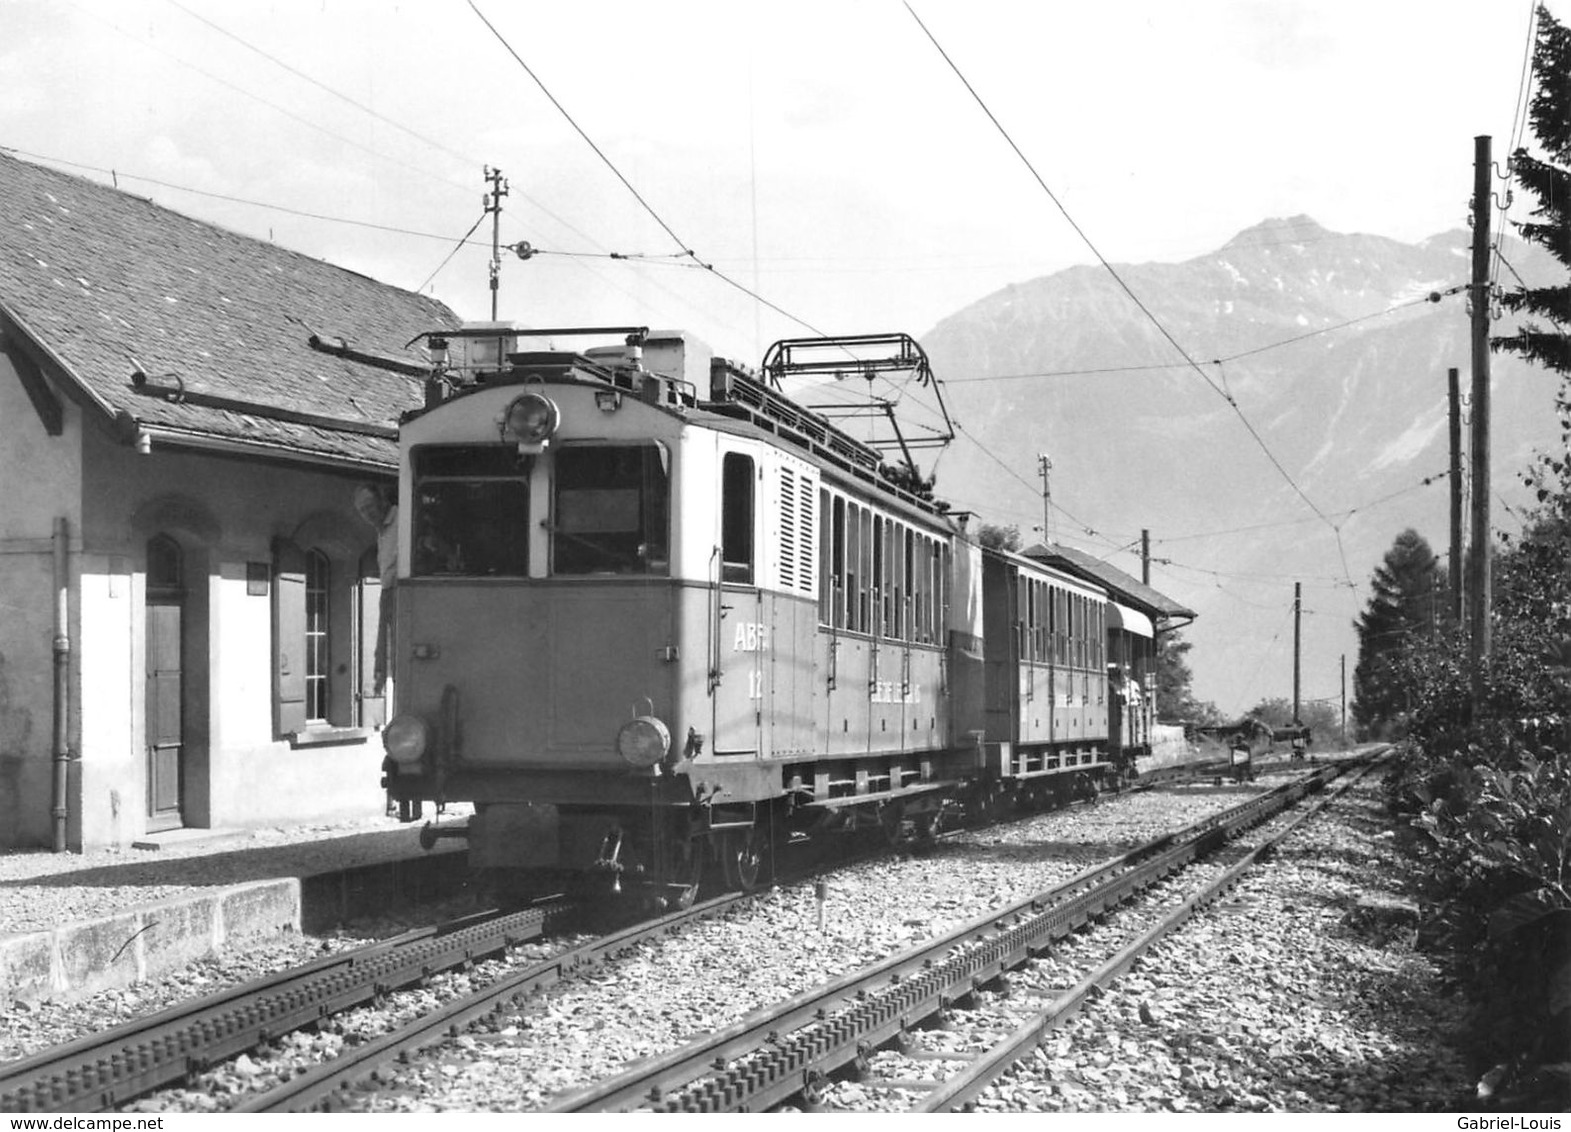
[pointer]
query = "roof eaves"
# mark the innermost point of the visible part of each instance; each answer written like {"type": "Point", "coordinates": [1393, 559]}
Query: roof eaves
{"type": "Point", "coordinates": [261, 449]}
{"type": "Point", "coordinates": [51, 363]}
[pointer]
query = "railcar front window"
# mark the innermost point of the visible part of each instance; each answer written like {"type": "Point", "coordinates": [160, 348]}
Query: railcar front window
{"type": "Point", "coordinates": [611, 510]}
{"type": "Point", "coordinates": [471, 514]}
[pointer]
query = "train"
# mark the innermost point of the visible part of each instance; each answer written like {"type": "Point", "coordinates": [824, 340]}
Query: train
{"type": "Point", "coordinates": [656, 620]}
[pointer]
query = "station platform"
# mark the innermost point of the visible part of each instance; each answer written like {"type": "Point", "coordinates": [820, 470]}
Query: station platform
{"type": "Point", "coordinates": [72, 924]}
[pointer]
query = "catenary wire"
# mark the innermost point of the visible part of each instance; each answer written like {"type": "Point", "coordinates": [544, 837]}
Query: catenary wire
{"type": "Point", "coordinates": [1150, 316]}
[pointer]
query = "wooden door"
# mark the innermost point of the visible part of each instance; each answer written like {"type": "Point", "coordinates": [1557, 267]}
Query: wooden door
{"type": "Point", "coordinates": [165, 686]}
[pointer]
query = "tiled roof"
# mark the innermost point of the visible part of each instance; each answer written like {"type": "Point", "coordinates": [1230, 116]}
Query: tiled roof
{"type": "Point", "coordinates": [1132, 591]}
{"type": "Point", "coordinates": [109, 283]}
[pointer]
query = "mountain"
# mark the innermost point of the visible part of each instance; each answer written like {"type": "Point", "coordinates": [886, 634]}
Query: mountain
{"type": "Point", "coordinates": [1331, 347]}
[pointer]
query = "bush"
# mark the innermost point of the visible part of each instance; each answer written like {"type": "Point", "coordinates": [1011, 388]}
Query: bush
{"type": "Point", "coordinates": [1488, 800]}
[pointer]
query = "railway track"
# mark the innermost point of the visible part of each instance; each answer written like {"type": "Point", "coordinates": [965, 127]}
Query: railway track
{"type": "Point", "coordinates": [317, 1088]}
{"type": "Point", "coordinates": [788, 1052]}
{"type": "Point", "coordinates": [99, 1072]}
{"type": "Point", "coordinates": [113, 1068]}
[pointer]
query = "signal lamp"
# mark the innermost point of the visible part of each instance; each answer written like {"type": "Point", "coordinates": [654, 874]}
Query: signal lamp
{"type": "Point", "coordinates": [530, 421]}
{"type": "Point", "coordinates": [643, 742]}
{"type": "Point", "coordinates": [406, 739]}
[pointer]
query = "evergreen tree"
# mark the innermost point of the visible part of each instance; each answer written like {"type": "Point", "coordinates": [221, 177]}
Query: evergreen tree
{"type": "Point", "coordinates": [1549, 179]}
{"type": "Point", "coordinates": [1403, 615]}
{"type": "Point", "coordinates": [1175, 702]}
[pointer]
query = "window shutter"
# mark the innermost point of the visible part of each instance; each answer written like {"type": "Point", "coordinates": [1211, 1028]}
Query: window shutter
{"type": "Point", "coordinates": [797, 531]}
{"type": "Point", "coordinates": [289, 658]}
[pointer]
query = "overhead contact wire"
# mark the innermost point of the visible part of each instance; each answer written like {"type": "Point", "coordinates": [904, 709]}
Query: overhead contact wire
{"type": "Point", "coordinates": [1156, 322]}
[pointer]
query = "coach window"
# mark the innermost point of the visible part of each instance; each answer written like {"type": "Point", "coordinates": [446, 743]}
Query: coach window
{"type": "Point", "coordinates": [879, 624]}
{"type": "Point", "coordinates": [867, 582]}
{"type": "Point", "coordinates": [1060, 623]}
{"type": "Point", "coordinates": [838, 565]}
{"type": "Point", "coordinates": [611, 510]}
{"type": "Point", "coordinates": [736, 518]}
{"type": "Point", "coordinates": [826, 559]}
{"type": "Point", "coordinates": [471, 511]}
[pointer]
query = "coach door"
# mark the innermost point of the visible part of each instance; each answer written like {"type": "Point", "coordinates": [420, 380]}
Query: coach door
{"type": "Point", "coordinates": [165, 684]}
{"type": "Point", "coordinates": [739, 637]}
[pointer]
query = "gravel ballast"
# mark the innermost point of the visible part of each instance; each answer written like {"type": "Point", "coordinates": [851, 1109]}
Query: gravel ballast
{"type": "Point", "coordinates": [1289, 998]}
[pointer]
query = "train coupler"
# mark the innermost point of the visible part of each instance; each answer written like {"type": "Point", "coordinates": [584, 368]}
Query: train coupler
{"type": "Point", "coordinates": [431, 834]}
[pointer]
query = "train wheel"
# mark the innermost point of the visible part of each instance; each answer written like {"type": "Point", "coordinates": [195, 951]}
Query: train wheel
{"type": "Point", "coordinates": [742, 855]}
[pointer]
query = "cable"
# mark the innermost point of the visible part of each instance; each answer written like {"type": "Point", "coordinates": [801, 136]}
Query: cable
{"type": "Point", "coordinates": [609, 164]}
{"type": "Point", "coordinates": [598, 152]}
{"type": "Point", "coordinates": [1156, 322]}
{"type": "Point", "coordinates": [115, 173]}
{"type": "Point", "coordinates": [567, 225]}
{"type": "Point", "coordinates": [304, 121]}
{"type": "Point", "coordinates": [462, 240]}
{"type": "Point", "coordinates": [1425, 482]}
{"type": "Point", "coordinates": [433, 143]}
{"type": "Point", "coordinates": [1518, 125]}
{"type": "Point", "coordinates": [988, 452]}
{"type": "Point", "coordinates": [1259, 666]}
{"type": "Point", "coordinates": [1432, 297]}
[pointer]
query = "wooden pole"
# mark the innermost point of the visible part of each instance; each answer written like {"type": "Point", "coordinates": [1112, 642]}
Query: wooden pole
{"type": "Point", "coordinates": [1479, 562]}
{"type": "Point", "coordinates": [1298, 607]}
{"type": "Point", "coordinates": [1454, 391]}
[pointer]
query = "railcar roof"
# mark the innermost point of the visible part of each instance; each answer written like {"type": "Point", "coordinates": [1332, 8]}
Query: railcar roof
{"type": "Point", "coordinates": [1126, 588]}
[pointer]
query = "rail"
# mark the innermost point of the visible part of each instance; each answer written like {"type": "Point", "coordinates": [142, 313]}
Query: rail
{"type": "Point", "coordinates": [787, 1050]}
{"type": "Point", "coordinates": [101, 1071]}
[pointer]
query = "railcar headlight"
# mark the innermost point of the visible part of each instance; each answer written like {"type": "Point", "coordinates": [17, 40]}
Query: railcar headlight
{"type": "Point", "coordinates": [530, 420]}
{"type": "Point", "coordinates": [644, 741]}
{"type": "Point", "coordinates": [406, 739]}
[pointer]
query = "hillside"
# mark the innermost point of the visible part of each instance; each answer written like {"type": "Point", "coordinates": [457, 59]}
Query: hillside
{"type": "Point", "coordinates": [1354, 414]}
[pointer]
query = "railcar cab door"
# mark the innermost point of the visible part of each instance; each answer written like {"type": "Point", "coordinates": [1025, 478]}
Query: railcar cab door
{"type": "Point", "coordinates": [739, 634]}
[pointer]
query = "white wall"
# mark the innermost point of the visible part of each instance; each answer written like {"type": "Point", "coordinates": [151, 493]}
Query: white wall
{"type": "Point", "coordinates": [42, 478]}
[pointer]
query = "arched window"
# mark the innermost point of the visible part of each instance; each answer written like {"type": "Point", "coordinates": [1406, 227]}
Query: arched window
{"type": "Point", "coordinates": [165, 569]}
{"type": "Point", "coordinates": [317, 582]}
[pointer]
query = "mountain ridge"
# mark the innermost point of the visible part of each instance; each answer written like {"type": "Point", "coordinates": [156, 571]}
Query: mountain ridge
{"type": "Point", "coordinates": [1332, 347]}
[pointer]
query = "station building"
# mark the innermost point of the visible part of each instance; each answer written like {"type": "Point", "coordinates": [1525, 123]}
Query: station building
{"type": "Point", "coordinates": [188, 597]}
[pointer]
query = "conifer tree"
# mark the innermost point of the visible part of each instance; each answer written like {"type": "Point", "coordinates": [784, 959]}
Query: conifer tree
{"type": "Point", "coordinates": [1403, 614]}
{"type": "Point", "coordinates": [1549, 179]}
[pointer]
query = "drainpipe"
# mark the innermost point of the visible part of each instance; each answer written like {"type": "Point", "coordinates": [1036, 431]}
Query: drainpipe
{"type": "Point", "coordinates": [62, 752]}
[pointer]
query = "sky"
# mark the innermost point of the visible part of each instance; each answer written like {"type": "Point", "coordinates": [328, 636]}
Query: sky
{"type": "Point", "coordinates": [749, 171]}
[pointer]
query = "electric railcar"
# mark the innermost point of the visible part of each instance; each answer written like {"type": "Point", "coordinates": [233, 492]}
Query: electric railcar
{"type": "Point", "coordinates": [653, 616]}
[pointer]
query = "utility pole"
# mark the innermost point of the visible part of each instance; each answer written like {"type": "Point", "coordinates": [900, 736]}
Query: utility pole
{"type": "Point", "coordinates": [1454, 392]}
{"type": "Point", "coordinates": [1145, 556]}
{"type": "Point", "coordinates": [1344, 701]}
{"type": "Point", "coordinates": [1479, 597]}
{"type": "Point", "coordinates": [1044, 465]}
{"type": "Point", "coordinates": [1298, 594]}
{"type": "Point", "coordinates": [492, 203]}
